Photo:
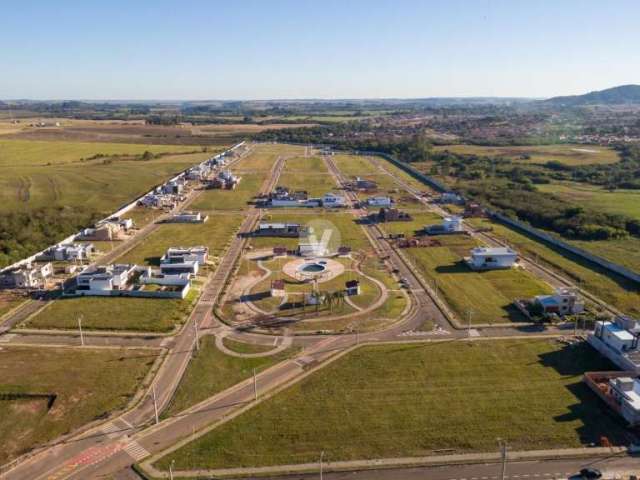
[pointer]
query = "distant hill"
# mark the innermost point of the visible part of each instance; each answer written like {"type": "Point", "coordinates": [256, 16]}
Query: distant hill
{"type": "Point", "coordinates": [624, 94]}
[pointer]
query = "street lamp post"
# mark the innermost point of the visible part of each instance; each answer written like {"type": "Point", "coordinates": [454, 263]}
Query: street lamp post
{"type": "Point", "coordinates": [255, 385]}
{"type": "Point", "coordinates": [469, 313]}
{"type": "Point", "coordinates": [155, 403]}
{"type": "Point", "coordinates": [503, 457]}
{"type": "Point", "coordinates": [171, 469]}
{"type": "Point", "coordinates": [321, 458]}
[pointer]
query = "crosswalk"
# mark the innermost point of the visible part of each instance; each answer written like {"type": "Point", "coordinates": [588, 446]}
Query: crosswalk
{"type": "Point", "coordinates": [136, 451]}
{"type": "Point", "coordinates": [111, 430]}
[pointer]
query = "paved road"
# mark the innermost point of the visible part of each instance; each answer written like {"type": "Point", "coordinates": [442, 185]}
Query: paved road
{"type": "Point", "coordinates": [530, 470]}
{"type": "Point", "coordinates": [133, 437]}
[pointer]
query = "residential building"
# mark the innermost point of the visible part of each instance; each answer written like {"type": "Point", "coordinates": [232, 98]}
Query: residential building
{"type": "Point", "coordinates": [618, 341]}
{"type": "Point", "coordinates": [287, 230]}
{"type": "Point", "coordinates": [363, 184]}
{"type": "Point", "coordinates": [620, 391]}
{"type": "Point", "coordinates": [102, 280]}
{"type": "Point", "coordinates": [183, 260]}
{"type": "Point", "coordinates": [390, 215]}
{"type": "Point", "coordinates": [188, 217]}
{"type": "Point", "coordinates": [563, 301]}
{"type": "Point", "coordinates": [379, 201]}
{"type": "Point", "coordinates": [450, 198]}
{"type": "Point", "coordinates": [333, 200]}
{"type": "Point", "coordinates": [30, 275]}
{"type": "Point", "coordinates": [70, 252]}
{"type": "Point", "coordinates": [491, 258]}
{"type": "Point", "coordinates": [449, 225]}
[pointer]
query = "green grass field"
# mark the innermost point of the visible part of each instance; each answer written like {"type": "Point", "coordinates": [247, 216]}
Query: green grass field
{"type": "Point", "coordinates": [238, 199]}
{"type": "Point", "coordinates": [242, 347]}
{"type": "Point", "coordinates": [621, 293]}
{"type": "Point", "coordinates": [564, 153]}
{"type": "Point", "coordinates": [211, 372]}
{"type": "Point", "coordinates": [88, 383]}
{"type": "Point", "coordinates": [412, 400]}
{"type": "Point", "coordinates": [216, 234]}
{"type": "Point", "coordinates": [116, 313]}
{"type": "Point", "coordinates": [39, 174]}
{"type": "Point", "coordinates": [621, 202]}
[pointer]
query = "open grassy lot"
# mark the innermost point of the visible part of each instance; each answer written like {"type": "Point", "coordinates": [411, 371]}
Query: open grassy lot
{"type": "Point", "coordinates": [565, 153]}
{"type": "Point", "coordinates": [87, 383]}
{"type": "Point", "coordinates": [117, 313]}
{"type": "Point", "coordinates": [216, 233]}
{"type": "Point", "coordinates": [620, 293]}
{"type": "Point", "coordinates": [316, 182]}
{"type": "Point", "coordinates": [622, 202]}
{"type": "Point", "coordinates": [211, 372]}
{"type": "Point", "coordinates": [625, 251]}
{"type": "Point", "coordinates": [484, 297]}
{"type": "Point", "coordinates": [41, 177]}
{"type": "Point", "coordinates": [409, 400]}
{"type": "Point", "coordinates": [237, 199]}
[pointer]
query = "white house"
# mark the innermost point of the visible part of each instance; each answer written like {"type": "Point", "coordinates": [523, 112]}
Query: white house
{"type": "Point", "coordinates": [333, 200]}
{"type": "Point", "coordinates": [451, 197]}
{"type": "Point", "coordinates": [32, 275]}
{"type": "Point", "coordinates": [618, 341]}
{"type": "Point", "coordinates": [625, 392]}
{"type": "Point", "coordinates": [563, 301]}
{"type": "Point", "coordinates": [71, 251]}
{"type": "Point", "coordinates": [379, 201]}
{"type": "Point", "coordinates": [490, 258]}
{"type": "Point", "coordinates": [103, 280]}
{"type": "Point", "coordinates": [189, 217]}
{"type": "Point", "coordinates": [183, 260]}
{"type": "Point", "coordinates": [451, 224]}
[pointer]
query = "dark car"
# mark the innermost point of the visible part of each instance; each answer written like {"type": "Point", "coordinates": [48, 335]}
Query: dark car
{"type": "Point", "coordinates": [590, 473]}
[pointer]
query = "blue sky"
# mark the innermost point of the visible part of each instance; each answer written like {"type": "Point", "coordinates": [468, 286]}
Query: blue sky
{"type": "Point", "coordinates": [242, 49]}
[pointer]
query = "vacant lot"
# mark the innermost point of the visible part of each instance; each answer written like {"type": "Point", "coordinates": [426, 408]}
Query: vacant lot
{"type": "Point", "coordinates": [622, 294]}
{"type": "Point", "coordinates": [409, 400]}
{"type": "Point", "coordinates": [37, 174]}
{"type": "Point", "coordinates": [237, 199]}
{"type": "Point", "coordinates": [622, 202]}
{"type": "Point", "coordinates": [86, 384]}
{"type": "Point", "coordinates": [211, 372]}
{"type": "Point", "coordinates": [567, 154]}
{"type": "Point", "coordinates": [216, 234]}
{"type": "Point", "coordinates": [117, 313]}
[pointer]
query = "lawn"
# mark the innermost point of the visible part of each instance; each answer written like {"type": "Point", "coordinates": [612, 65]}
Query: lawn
{"type": "Point", "coordinates": [242, 347]}
{"type": "Point", "coordinates": [211, 372]}
{"type": "Point", "coordinates": [116, 313]}
{"type": "Point", "coordinates": [411, 400]}
{"type": "Point", "coordinates": [620, 202]}
{"type": "Point", "coordinates": [238, 199]}
{"type": "Point", "coordinates": [315, 182]}
{"type": "Point", "coordinates": [87, 384]}
{"type": "Point", "coordinates": [216, 233]}
{"type": "Point", "coordinates": [487, 297]}
{"type": "Point", "coordinates": [564, 153]}
{"type": "Point", "coordinates": [620, 293]}
{"type": "Point", "coordinates": [10, 300]}
{"type": "Point", "coordinates": [36, 174]}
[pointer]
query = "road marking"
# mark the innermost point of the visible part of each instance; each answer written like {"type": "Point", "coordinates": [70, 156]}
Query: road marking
{"type": "Point", "coordinates": [136, 451]}
{"type": "Point", "coordinates": [110, 429]}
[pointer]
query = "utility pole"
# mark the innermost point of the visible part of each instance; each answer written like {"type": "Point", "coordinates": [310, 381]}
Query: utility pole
{"type": "Point", "coordinates": [503, 457]}
{"type": "Point", "coordinates": [80, 328]}
{"type": "Point", "coordinates": [155, 403]}
{"type": "Point", "coordinates": [321, 457]}
{"type": "Point", "coordinates": [435, 286]}
{"type": "Point", "coordinates": [469, 313]}
{"type": "Point", "coordinates": [171, 469]}
{"type": "Point", "coordinates": [255, 385]}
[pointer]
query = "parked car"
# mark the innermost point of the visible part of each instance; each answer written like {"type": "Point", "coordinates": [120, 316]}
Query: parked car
{"type": "Point", "coordinates": [590, 473]}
